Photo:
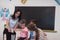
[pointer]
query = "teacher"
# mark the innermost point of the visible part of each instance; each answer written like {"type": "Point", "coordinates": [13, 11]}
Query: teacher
{"type": "Point", "coordinates": [10, 25]}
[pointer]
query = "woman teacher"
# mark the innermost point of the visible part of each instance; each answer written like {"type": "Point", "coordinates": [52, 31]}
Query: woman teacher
{"type": "Point", "coordinates": [10, 25]}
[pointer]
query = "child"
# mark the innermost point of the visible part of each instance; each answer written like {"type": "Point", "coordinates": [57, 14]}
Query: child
{"type": "Point", "coordinates": [34, 31]}
{"type": "Point", "coordinates": [23, 30]}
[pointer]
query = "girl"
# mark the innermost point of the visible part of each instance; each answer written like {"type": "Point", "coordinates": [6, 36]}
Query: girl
{"type": "Point", "coordinates": [23, 30]}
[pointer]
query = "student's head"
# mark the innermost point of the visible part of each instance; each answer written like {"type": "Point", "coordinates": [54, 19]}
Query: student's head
{"type": "Point", "coordinates": [32, 25]}
{"type": "Point", "coordinates": [23, 23]}
{"type": "Point", "coordinates": [17, 14]}
{"type": "Point", "coordinates": [33, 22]}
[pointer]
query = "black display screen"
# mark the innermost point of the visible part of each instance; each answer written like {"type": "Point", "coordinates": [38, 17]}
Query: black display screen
{"type": "Point", "coordinates": [45, 16]}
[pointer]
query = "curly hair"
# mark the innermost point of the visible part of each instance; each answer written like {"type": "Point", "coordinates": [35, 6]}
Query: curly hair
{"type": "Point", "coordinates": [32, 27]}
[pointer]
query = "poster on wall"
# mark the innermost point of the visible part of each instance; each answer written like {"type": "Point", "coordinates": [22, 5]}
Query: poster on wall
{"type": "Point", "coordinates": [23, 1]}
{"type": "Point", "coordinates": [4, 14]}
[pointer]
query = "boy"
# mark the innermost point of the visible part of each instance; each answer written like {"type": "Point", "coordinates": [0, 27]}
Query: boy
{"type": "Point", "coordinates": [35, 33]}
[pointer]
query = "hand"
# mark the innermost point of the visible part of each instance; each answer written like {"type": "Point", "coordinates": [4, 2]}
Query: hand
{"type": "Point", "coordinates": [26, 39]}
{"type": "Point", "coordinates": [45, 34]}
{"type": "Point", "coordinates": [9, 30]}
{"type": "Point", "coordinates": [12, 30]}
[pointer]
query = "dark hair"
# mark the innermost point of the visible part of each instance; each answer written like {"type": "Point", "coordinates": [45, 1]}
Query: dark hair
{"type": "Point", "coordinates": [34, 21]}
{"type": "Point", "coordinates": [32, 27]}
{"type": "Point", "coordinates": [13, 16]}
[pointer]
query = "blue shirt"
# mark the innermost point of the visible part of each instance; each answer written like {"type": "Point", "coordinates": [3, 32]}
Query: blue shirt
{"type": "Point", "coordinates": [32, 34]}
{"type": "Point", "coordinates": [12, 22]}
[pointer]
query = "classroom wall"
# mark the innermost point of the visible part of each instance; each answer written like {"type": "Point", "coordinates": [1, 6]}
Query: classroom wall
{"type": "Point", "coordinates": [11, 5]}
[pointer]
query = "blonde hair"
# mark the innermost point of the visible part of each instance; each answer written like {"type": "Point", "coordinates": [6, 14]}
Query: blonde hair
{"type": "Point", "coordinates": [22, 21]}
